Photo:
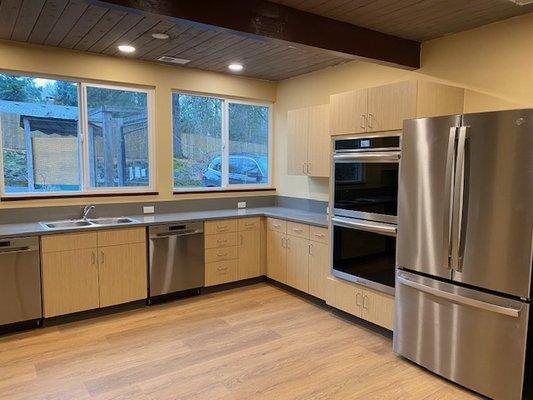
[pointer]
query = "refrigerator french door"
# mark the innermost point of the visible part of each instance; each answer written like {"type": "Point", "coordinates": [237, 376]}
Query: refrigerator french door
{"type": "Point", "coordinates": [464, 249]}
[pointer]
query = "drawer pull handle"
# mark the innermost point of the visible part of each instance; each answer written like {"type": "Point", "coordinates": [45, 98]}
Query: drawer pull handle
{"type": "Point", "coordinates": [222, 254]}
{"type": "Point", "coordinates": [222, 240]}
{"type": "Point", "coordinates": [222, 268]}
{"type": "Point", "coordinates": [298, 230]}
{"type": "Point", "coordinates": [222, 228]}
{"type": "Point", "coordinates": [248, 224]}
{"type": "Point", "coordinates": [276, 225]}
{"type": "Point", "coordinates": [320, 235]}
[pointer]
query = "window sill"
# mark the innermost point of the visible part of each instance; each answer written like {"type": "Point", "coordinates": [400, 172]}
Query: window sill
{"type": "Point", "coordinates": [236, 190]}
{"type": "Point", "coordinates": [45, 196]}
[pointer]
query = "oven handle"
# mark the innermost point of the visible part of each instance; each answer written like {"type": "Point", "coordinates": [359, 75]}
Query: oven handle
{"type": "Point", "coordinates": [370, 157]}
{"type": "Point", "coordinates": [374, 227]}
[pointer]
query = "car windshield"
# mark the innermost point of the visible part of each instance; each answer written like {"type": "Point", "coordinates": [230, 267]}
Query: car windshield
{"type": "Point", "coordinates": [263, 163]}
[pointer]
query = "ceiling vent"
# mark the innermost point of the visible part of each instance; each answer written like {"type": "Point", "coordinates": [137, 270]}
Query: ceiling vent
{"type": "Point", "coordinates": [173, 60]}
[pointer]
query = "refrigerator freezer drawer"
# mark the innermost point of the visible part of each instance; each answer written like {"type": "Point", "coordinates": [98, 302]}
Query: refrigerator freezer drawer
{"type": "Point", "coordinates": [472, 338]}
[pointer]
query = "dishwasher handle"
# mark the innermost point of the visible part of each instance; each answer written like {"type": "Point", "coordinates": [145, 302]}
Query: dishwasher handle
{"type": "Point", "coordinates": [18, 250]}
{"type": "Point", "coordinates": [173, 234]}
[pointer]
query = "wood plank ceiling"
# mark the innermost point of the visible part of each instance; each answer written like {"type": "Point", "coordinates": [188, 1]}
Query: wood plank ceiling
{"type": "Point", "coordinates": [418, 20]}
{"type": "Point", "coordinates": [78, 25]}
{"type": "Point", "coordinates": [86, 26]}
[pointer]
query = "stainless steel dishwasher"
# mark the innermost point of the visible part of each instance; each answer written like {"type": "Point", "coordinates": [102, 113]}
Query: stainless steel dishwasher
{"type": "Point", "coordinates": [20, 282]}
{"type": "Point", "coordinates": [176, 258]}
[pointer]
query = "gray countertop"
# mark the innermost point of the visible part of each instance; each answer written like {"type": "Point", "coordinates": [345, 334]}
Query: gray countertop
{"type": "Point", "coordinates": [291, 214]}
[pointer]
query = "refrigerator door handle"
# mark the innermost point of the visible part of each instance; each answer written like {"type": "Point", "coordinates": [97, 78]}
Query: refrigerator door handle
{"type": "Point", "coordinates": [458, 197]}
{"type": "Point", "coordinates": [449, 192]}
{"type": "Point", "coordinates": [511, 312]}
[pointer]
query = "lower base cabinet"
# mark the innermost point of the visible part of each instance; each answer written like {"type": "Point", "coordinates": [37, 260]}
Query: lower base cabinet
{"type": "Point", "coordinates": [276, 256]}
{"type": "Point", "coordinates": [122, 274]}
{"type": "Point", "coordinates": [70, 281]}
{"type": "Point", "coordinates": [84, 271]}
{"type": "Point", "coordinates": [232, 250]}
{"type": "Point", "coordinates": [367, 304]}
{"type": "Point", "coordinates": [298, 250]}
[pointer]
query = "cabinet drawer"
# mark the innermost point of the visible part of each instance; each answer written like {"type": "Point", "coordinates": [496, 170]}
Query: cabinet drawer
{"type": "Point", "coordinates": [249, 224]}
{"type": "Point", "coordinates": [221, 240]}
{"type": "Point", "coordinates": [217, 273]}
{"type": "Point", "coordinates": [223, 254]}
{"type": "Point", "coordinates": [114, 237]}
{"type": "Point", "coordinates": [220, 226]}
{"type": "Point", "coordinates": [318, 234]}
{"type": "Point", "coordinates": [68, 241]}
{"type": "Point", "coordinates": [299, 230]}
{"type": "Point", "coordinates": [277, 225]}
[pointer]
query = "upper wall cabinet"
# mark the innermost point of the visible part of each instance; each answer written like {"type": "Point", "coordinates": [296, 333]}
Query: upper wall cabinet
{"type": "Point", "coordinates": [383, 108]}
{"type": "Point", "coordinates": [308, 141]}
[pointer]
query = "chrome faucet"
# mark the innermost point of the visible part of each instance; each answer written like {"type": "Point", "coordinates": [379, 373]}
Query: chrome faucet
{"type": "Point", "coordinates": [86, 210]}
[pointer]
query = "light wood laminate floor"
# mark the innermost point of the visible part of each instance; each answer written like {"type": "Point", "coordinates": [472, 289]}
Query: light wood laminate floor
{"type": "Point", "coordinates": [256, 342]}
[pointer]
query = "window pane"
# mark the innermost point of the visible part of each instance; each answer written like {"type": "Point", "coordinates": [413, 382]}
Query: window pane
{"type": "Point", "coordinates": [39, 128]}
{"type": "Point", "coordinates": [118, 137]}
{"type": "Point", "coordinates": [197, 141]}
{"type": "Point", "coordinates": [248, 144]}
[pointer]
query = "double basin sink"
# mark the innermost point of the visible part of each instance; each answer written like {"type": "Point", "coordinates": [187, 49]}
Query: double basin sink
{"type": "Point", "coordinates": [87, 223]}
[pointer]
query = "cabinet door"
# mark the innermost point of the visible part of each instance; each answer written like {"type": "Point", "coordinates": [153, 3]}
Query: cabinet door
{"type": "Point", "coordinates": [389, 105]}
{"type": "Point", "coordinates": [276, 256]}
{"type": "Point", "coordinates": [298, 126]}
{"type": "Point", "coordinates": [348, 112]}
{"type": "Point", "coordinates": [344, 296]}
{"type": "Point", "coordinates": [298, 263]}
{"type": "Point", "coordinates": [70, 281]}
{"type": "Point", "coordinates": [377, 308]}
{"type": "Point", "coordinates": [249, 250]}
{"type": "Point", "coordinates": [122, 273]}
{"type": "Point", "coordinates": [319, 142]}
{"type": "Point", "coordinates": [318, 269]}
{"type": "Point", "coordinates": [435, 99]}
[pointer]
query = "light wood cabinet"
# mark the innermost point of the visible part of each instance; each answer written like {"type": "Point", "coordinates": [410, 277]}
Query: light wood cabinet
{"type": "Point", "coordinates": [383, 108]}
{"type": "Point", "coordinates": [217, 273]}
{"type": "Point", "coordinates": [298, 256]}
{"type": "Point", "coordinates": [83, 271]}
{"type": "Point", "coordinates": [348, 112]}
{"type": "Point", "coordinates": [122, 273]}
{"type": "Point", "coordinates": [276, 256]}
{"type": "Point", "coordinates": [308, 141]}
{"type": "Point", "coordinates": [318, 269]}
{"type": "Point", "coordinates": [389, 105]}
{"type": "Point", "coordinates": [70, 281]}
{"type": "Point", "coordinates": [234, 254]}
{"type": "Point", "coordinates": [298, 262]}
{"type": "Point", "coordinates": [249, 251]}
{"type": "Point", "coordinates": [362, 302]}
{"type": "Point", "coordinates": [298, 128]}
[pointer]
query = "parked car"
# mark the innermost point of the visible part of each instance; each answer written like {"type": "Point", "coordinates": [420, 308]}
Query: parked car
{"type": "Point", "coordinates": [243, 169]}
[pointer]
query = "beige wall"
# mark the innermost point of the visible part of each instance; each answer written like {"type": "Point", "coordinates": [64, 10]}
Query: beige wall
{"type": "Point", "coordinates": [57, 62]}
{"type": "Point", "coordinates": [494, 62]}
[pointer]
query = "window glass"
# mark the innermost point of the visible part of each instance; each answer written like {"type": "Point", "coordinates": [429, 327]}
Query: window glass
{"type": "Point", "coordinates": [248, 140]}
{"type": "Point", "coordinates": [118, 137]}
{"type": "Point", "coordinates": [39, 132]}
{"type": "Point", "coordinates": [197, 140]}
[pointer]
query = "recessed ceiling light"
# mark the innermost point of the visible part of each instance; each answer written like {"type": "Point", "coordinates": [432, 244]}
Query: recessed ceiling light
{"type": "Point", "coordinates": [126, 48]}
{"type": "Point", "coordinates": [235, 67]}
{"type": "Point", "coordinates": [160, 36]}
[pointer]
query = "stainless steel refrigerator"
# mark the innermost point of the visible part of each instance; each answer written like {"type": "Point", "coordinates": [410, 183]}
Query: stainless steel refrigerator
{"type": "Point", "coordinates": [464, 253]}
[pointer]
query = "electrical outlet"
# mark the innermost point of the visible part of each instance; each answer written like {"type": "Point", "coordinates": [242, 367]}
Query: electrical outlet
{"type": "Point", "coordinates": [148, 209]}
{"type": "Point", "coordinates": [327, 210]}
{"type": "Point", "coordinates": [241, 204]}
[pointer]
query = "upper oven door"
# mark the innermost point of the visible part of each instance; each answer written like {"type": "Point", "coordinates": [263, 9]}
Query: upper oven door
{"type": "Point", "coordinates": [366, 185]}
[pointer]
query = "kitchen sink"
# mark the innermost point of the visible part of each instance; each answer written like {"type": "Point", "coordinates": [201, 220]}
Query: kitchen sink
{"type": "Point", "coordinates": [86, 223]}
{"type": "Point", "coordinates": [112, 221]}
{"type": "Point", "coordinates": [66, 224]}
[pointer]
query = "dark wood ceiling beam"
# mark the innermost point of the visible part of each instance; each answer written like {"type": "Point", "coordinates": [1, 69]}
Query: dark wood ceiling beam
{"type": "Point", "coordinates": [265, 19]}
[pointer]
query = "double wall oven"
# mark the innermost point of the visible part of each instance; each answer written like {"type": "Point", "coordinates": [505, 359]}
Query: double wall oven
{"type": "Point", "coordinates": [364, 203]}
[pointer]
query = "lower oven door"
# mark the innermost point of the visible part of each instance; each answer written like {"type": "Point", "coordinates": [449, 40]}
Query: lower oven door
{"type": "Point", "coordinates": [364, 252]}
{"type": "Point", "coordinates": [472, 338]}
